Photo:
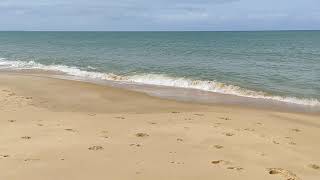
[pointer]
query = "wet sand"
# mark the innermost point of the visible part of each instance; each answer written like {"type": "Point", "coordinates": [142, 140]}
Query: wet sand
{"type": "Point", "coordinates": [59, 129]}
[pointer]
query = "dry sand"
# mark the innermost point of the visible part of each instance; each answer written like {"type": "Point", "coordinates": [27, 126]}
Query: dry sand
{"type": "Point", "coordinates": [53, 129]}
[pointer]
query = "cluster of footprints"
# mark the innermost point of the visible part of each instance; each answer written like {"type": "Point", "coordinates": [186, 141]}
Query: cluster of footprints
{"type": "Point", "coordinates": [98, 148]}
{"type": "Point", "coordinates": [226, 163]}
{"type": "Point", "coordinates": [288, 175]}
{"type": "Point", "coordinates": [222, 163]}
{"type": "Point", "coordinates": [8, 98]}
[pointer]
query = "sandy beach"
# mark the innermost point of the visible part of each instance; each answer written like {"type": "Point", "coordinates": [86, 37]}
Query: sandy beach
{"type": "Point", "coordinates": [53, 129]}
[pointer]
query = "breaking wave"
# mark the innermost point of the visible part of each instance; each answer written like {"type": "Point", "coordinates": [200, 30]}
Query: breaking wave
{"type": "Point", "coordinates": [156, 79]}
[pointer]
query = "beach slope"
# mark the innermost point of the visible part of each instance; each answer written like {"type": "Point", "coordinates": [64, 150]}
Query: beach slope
{"type": "Point", "coordinates": [53, 129]}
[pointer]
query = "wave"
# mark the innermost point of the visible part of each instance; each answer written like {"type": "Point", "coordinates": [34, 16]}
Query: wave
{"type": "Point", "coordinates": [157, 79]}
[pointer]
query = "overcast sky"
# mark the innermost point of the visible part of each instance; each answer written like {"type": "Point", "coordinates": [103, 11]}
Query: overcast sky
{"type": "Point", "coordinates": [130, 15]}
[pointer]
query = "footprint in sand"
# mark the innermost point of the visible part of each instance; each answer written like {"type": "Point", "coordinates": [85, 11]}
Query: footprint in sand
{"type": "Point", "coordinates": [218, 146]}
{"type": "Point", "coordinates": [225, 163]}
{"type": "Point", "coordinates": [95, 148]}
{"type": "Point", "coordinates": [11, 120]}
{"type": "Point", "coordinates": [225, 118]}
{"type": "Point", "coordinates": [220, 162]}
{"type": "Point", "coordinates": [119, 117]}
{"type": "Point", "coordinates": [4, 155]}
{"type": "Point", "coordinates": [135, 145]}
{"type": "Point", "coordinates": [91, 114]}
{"type": "Point", "coordinates": [142, 135]}
{"type": "Point", "coordinates": [40, 124]}
{"type": "Point", "coordinates": [314, 166]}
{"type": "Point", "coordinates": [292, 143]}
{"type": "Point", "coordinates": [229, 134]}
{"type": "Point", "coordinates": [249, 129]}
{"type": "Point", "coordinates": [153, 123]}
{"type": "Point", "coordinates": [26, 137]}
{"type": "Point", "coordinates": [175, 112]}
{"type": "Point", "coordinates": [296, 130]}
{"type": "Point", "coordinates": [275, 142]}
{"type": "Point", "coordinates": [284, 173]}
{"type": "Point", "coordinates": [179, 139]}
{"type": "Point", "coordinates": [235, 168]}
{"type": "Point", "coordinates": [175, 162]}
{"type": "Point", "coordinates": [263, 154]}
{"type": "Point", "coordinates": [70, 130]}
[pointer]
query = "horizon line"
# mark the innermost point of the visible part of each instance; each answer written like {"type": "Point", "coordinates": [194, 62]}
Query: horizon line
{"type": "Point", "coordinates": [158, 30]}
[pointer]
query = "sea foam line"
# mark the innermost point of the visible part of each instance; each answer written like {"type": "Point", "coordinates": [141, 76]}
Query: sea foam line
{"type": "Point", "coordinates": [157, 79]}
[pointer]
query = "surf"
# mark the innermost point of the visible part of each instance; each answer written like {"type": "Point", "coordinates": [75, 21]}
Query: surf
{"type": "Point", "coordinates": [157, 79]}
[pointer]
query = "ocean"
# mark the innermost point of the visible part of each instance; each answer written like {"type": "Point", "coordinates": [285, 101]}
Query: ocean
{"type": "Point", "coordinates": [282, 66]}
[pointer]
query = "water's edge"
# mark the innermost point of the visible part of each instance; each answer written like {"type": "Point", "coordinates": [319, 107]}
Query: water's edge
{"type": "Point", "coordinates": [176, 93]}
{"type": "Point", "coordinates": [158, 80]}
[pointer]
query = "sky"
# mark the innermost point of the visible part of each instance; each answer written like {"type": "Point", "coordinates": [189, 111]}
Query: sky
{"type": "Point", "coordinates": [159, 15]}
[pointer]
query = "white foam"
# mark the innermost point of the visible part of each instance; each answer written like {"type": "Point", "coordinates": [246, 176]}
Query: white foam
{"type": "Point", "coordinates": [92, 68]}
{"type": "Point", "coordinates": [157, 79]}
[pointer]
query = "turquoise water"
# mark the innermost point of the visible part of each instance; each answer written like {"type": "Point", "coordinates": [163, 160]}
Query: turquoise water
{"type": "Point", "coordinates": [277, 65]}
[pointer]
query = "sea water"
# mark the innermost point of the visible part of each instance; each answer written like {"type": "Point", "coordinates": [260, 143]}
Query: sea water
{"type": "Point", "coordinates": [279, 66]}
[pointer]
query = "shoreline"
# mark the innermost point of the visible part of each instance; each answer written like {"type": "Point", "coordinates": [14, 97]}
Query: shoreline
{"type": "Point", "coordinates": [232, 94]}
{"type": "Point", "coordinates": [62, 129]}
{"type": "Point", "coordinates": [183, 95]}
